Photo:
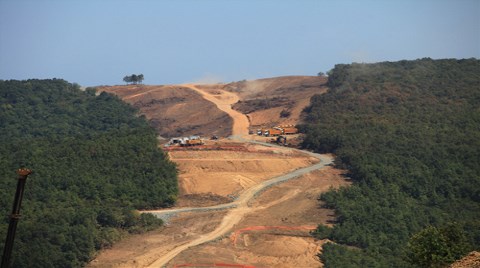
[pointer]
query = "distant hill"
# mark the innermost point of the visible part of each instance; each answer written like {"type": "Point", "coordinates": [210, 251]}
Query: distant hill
{"type": "Point", "coordinates": [94, 162]}
{"type": "Point", "coordinates": [176, 110]}
{"type": "Point", "coordinates": [409, 133]}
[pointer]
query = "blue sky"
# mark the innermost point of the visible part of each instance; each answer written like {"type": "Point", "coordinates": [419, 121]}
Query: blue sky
{"type": "Point", "coordinates": [99, 42]}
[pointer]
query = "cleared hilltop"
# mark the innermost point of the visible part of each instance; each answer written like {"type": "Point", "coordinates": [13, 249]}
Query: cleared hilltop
{"type": "Point", "coordinates": [177, 110]}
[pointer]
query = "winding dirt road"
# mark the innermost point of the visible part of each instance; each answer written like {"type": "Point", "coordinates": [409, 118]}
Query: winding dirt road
{"type": "Point", "coordinates": [240, 207]}
{"type": "Point", "coordinates": [224, 102]}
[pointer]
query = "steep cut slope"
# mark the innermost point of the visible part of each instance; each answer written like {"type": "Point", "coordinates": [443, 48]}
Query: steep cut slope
{"type": "Point", "coordinates": [224, 100]}
{"type": "Point", "coordinates": [175, 110]}
{"type": "Point", "coordinates": [278, 100]}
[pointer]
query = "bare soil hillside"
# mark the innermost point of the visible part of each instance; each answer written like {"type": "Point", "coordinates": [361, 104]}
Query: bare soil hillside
{"type": "Point", "coordinates": [213, 177]}
{"type": "Point", "coordinates": [175, 110]}
{"type": "Point", "coordinates": [179, 110]}
{"type": "Point", "coordinates": [281, 210]}
{"type": "Point", "coordinates": [472, 260]}
{"type": "Point", "coordinates": [278, 100]}
{"type": "Point", "coordinates": [271, 191]}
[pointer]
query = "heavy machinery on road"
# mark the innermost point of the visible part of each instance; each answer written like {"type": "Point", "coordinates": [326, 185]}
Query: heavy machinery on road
{"type": "Point", "coordinates": [281, 140]}
{"type": "Point", "coordinates": [278, 130]}
{"type": "Point", "coordinates": [289, 130]}
{"type": "Point", "coordinates": [186, 141]}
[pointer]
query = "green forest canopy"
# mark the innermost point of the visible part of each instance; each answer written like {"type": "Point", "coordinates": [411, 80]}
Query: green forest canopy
{"type": "Point", "coordinates": [94, 162]}
{"type": "Point", "coordinates": [409, 134]}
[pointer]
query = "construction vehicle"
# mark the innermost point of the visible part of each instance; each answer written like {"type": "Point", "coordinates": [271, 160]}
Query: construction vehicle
{"type": "Point", "coordinates": [288, 129]}
{"type": "Point", "coordinates": [281, 140]}
{"type": "Point", "coordinates": [278, 130]}
{"type": "Point", "coordinates": [186, 141]}
{"type": "Point", "coordinates": [272, 132]}
{"type": "Point", "coordinates": [190, 142]}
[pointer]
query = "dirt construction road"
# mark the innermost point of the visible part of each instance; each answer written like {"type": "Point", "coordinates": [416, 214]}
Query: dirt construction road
{"type": "Point", "coordinates": [263, 194]}
{"type": "Point", "coordinates": [237, 210]}
{"type": "Point", "coordinates": [224, 101]}
{"type": "Point", "coordinates": [240, 207]}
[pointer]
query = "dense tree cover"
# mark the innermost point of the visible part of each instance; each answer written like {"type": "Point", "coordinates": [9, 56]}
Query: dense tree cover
{"type": "Point", "coordinates": [409, 134]}
{"type": "Point", "coordinates": [94, 162]}
{"type": "Point", "coordinates": [134, 79]}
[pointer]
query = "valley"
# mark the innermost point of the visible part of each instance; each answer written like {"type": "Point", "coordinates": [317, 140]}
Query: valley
{"type": "Point", "coordinates": [252, 204]}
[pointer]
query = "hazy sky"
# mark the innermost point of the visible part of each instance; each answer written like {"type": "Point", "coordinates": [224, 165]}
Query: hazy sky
{"type": "Point", "coordinates": [99, 42]}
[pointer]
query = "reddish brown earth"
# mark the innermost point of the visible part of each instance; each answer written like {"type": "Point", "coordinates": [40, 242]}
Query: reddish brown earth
{"type": "Point", "coordinates": [293, 204]}
{"type": "Point", "coordinates": [175, 110]}
{"type": "Point", "coordinates": [181, 110]}
{"type": "Point", "coordinates": [289, 204]}
{"type": "Point", "coordinates": [263, 100]}
{"type": "Point", "coordinates": [472, 260]}
{"type": "Point", "coordinates": [223, 174]}
{"type": "Point", "coordinates": [210, 176]}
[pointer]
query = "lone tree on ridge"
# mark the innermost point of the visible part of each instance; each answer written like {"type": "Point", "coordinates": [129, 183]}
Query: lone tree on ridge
{"type": "Point", "coordinates": [134, 79]}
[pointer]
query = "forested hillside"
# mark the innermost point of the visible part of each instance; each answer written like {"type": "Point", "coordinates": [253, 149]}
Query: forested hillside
{"type": "Point", "coordinates": [93, 160]}
{"type": "Point", "coordinates": [409, 133]}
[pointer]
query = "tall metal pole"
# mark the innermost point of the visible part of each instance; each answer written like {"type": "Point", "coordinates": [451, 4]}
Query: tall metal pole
{"type": "Point", "coordinates": [15, 216]}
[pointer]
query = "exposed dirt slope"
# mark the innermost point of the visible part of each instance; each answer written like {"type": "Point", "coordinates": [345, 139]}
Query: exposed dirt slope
{"type": "Point", "coordinates": [179, 110]}
{"type": "Point", "coordinates": [241, 204]}
{"type": "Point", "coordinates": [257, 202]}
{"type": "Point", "coordinates": [224, 101]}
{"type": "Point", "coordinates": [175, 110]}
{"type": "Point", "coordinates": [278, 100]}
{"type": "Point", "coordinates": [235, 214]}
{"type": "Point", "coordinates": [228, 173]}
{"type": "Point", "coordinates": [294, 204]}
{"type": "Point", "coordinates": [472, 260]}
{"type": "Point", "coordinates": [186, 230]}
{"type": "Point", "coordinates": [141, 250]}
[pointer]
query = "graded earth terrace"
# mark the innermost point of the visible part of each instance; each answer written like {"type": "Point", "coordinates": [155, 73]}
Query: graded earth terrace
{"type": "Point", "coordinates": [239, 197]}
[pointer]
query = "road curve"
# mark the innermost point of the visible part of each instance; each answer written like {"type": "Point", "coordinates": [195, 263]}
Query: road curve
{"type": "Point", "coordinates": [250, 193]}
{"type": "Point", "coordinates": [238, 209]}
{"type": "Point", "coordinates": [240, 206]}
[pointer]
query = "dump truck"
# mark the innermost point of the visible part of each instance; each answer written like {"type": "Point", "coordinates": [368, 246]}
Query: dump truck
{"type": "Point", "coordinates": [289, 130]}
{"type": "Point", "coordinates": [272, 132]}
{"type": "Point", "coordinates": [278, 130]}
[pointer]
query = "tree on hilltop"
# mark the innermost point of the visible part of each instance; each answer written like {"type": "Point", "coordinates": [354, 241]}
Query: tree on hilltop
{"type": "Point", "coordinates": [134, 79]}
